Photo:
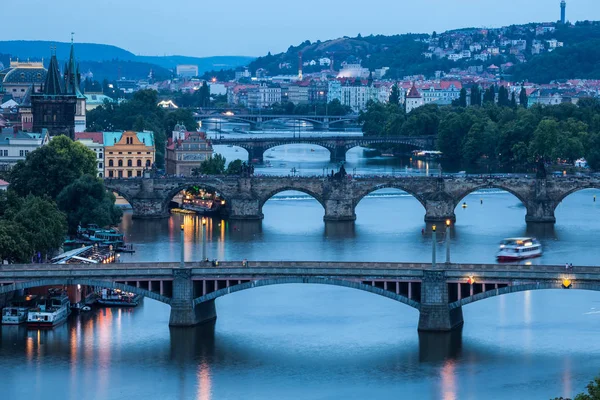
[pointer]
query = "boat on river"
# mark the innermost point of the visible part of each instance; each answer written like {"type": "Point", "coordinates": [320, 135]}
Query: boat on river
{"type": "Point", "coordinates": [51, 311]}
{"type": "Point", "coordinates": [521, 248]}
{"type": "Point", "coordinates": [16, 312]}
{"type": "Point", "coordinates": [117, 298]}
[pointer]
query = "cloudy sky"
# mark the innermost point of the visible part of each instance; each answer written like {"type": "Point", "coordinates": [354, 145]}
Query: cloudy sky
{"type": "Point", "coordinates": [254, 27]}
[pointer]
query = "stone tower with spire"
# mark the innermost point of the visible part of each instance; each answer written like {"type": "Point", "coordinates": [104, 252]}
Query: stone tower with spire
{"type": "Point", "coordinates": [60, 106]}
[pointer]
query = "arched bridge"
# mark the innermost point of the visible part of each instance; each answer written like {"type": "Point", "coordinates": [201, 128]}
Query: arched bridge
{"type": "Point", "coordinates": [439, 196]}
{"type": "Point", "coordinates": [438, 294]}
{"type": "Point", "coordinates": [257, 120]}
{"type": "Point", "coordinates": [337, 146]}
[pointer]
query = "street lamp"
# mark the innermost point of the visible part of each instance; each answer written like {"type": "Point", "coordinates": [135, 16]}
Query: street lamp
{"type": "Point", "coordinates": [182, 248]}
{"type": "Point", "coordinates": [448, 223]}
{"type": "Point", "coordinates": [433, 243]}
{"type": "Point", "coordinates": [203, 239]}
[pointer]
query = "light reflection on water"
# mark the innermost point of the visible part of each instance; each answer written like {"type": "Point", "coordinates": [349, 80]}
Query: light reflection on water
{"type": "Point", "coordinates": [307, 341]}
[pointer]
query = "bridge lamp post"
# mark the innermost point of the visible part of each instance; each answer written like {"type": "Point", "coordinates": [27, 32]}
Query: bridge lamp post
{"type": "Point", "coordinates": [448, 226]}
{"type": "Point", "coordinates": [433, 243]}
{"type": "Point", "coordinates": [203, 238]}
{"type": "Point", "coordinates": [182, 265]}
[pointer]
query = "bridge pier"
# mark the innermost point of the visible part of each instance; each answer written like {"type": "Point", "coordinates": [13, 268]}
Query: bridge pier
{"type": "Point", "coordinates": [149, 208]}
{"type": "Point", "coordinates": [540, 211]}
{"type": "Point", "coordinates": [337, 154]}
{"type": "Point", "coordinates": [256, 154]}
{"type": "Point", "coordinates": [339, 210]}
{"type": "Point", "coordinates": [439, 210]}
{"type": "Point", "coordinates": [183, 311]}
{"type": "Point", "coordinates": [245, 209]}
{"type": "Point", "coordinates": [435, 314]}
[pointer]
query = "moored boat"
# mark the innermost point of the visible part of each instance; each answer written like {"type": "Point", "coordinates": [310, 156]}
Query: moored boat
{"type": "Point", "coordinates": [50, 312]}
{"type": "Point", "coordinates": [14, 315]}
{"type": "Point", "coordinates": [117, 298]}
{"type": "Point", "coordinates": [515, 249]}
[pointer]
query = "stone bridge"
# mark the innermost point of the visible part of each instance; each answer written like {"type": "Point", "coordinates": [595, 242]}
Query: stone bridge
{"type": "Point", "coordinates": [438, 294]}
{"type": "Point", "coordinates": [245, 197]}
{"type": "Point", "coordinates": [256, 121]}
{"type": "Point", "coordinates": [337, 146]}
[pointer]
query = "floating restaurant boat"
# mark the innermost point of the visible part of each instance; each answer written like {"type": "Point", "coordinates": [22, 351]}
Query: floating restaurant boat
{"type": "Point", "coordinates": [16, 313]}
{"type": "Point", "coordinates": [117, 298]}
{"type": "Point", "coordinates": [514, 249]}
{"type": "Point", "coordinates": [51, 311]}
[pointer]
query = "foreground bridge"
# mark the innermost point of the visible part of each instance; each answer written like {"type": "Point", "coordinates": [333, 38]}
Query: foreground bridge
{"type": "Point", "coordinates": [256, 121]}
{"type": "Point", "coordinates": [337, 146]}
{"type": "Point", "coordinates": [438, 294]}
{"type": "Point", "coordinates": [245, 197]}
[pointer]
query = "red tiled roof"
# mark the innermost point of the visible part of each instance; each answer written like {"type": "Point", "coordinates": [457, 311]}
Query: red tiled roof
{"type": "Point", "coordinates": [3, 182]}
{"type": "Point", "coordinates": [413, 92]}
{"type": "Point", "coordinates": [97, 137]}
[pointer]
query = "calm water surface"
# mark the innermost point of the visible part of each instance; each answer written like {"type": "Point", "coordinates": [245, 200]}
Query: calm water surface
{"type": "Point", "coordinates": [321, 342]}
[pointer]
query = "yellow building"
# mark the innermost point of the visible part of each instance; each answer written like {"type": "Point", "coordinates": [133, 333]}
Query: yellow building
{"type": "Point", "coordinates": [128, 154]}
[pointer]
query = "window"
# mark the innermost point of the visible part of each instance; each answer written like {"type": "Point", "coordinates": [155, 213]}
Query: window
{"type": "Point", "coordinates": [128, 152]}
{"type": "Point", "coordinates": [110, 152]}
{"type": "Point", "coordinates": [120, 163]}
{"type": "Point", "coordinates": [5, 153]}
{"type": "Point", "coordinates": [99, 155]}
{"type": "Point", "coordinates": [139, 173]}
{"type": "Point", "coordinates": [21, 153]}
{"type": "Point", "coordinates": [120, 173]}
{"type": "Point", "coordinates": [99, 174]}
{"type": "Point", "coordinates": [147, 163]}
{"type": "Point", "coordinates": [129, 163]}
{"type": "Point", "coordinates": [100, 165]}
{"type": "Point", "coordinates": [120, 152]}
{"type": "Point", "coordinates": [139, 162]}
{"type": "Point", "coordinates": [110, 174]}
{"type": "Point", "coordinates": [129, 173]}
{"type": "Point", "coordinates": [111, 163]}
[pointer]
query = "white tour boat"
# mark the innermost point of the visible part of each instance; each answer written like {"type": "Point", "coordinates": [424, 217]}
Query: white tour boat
{"type": "Point", "coordinates": [514, 249]}
{"type": "Point", "coordinates": [14, 315]}
{"type": "Point", "coordinates": [51, 312]}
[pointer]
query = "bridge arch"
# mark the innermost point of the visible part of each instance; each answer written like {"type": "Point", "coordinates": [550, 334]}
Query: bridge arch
{"type": "Point", "coordinates": [489, 185]}
{"type": "Point", "coordinates": [311, 280]}
{"type": "Point", "coordinates": [121, 193]}
{"type": "Point", "coordinates": [586, 186]}
{"type": "Point", "coordinates": [388, 185]}
{"type": "Point", "coordinates": [214, 186]}
{"type": "Point", "coordinates": [83, 281]}
{"type": "Point", "coordinates": [290, 187]}
{"type": "Point", "coordinates": [523, 288]}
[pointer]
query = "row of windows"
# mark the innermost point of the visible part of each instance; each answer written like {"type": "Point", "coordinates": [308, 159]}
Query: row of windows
{"type": "Point", "coordinates": [121, 173]}
{"type": "Point", "coordinates": [129, 152]}
{"type": "Point", "coordinates": [129, 163]}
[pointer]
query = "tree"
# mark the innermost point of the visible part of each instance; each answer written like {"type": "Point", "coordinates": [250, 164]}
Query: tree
{"type": "Point", "coordinates": [204, 95]}
{"type": "Point", "coordinates": [545, 140]}
{"type": "Point", "coordinates": [86, 201]}
{"type": "Point", "coordinates": [395, 95]}
{"type": "Point", "coordinates": [235, 167]}
{"type": "Point", "coordinates": [14, 247]}
{"type": "Point", "coordinates": [523, 97]}
{"type": "Point", "coordinates": [43, 223]}
{"type": "Point", "coordinates": [213, 166]}
{"type": "Point", "coordinates": [513, 101]}
{"type": "Point", "coordinates": [179, 116]}
{"type": "Point", "coordinates": [49, 169]}
{"type": "Point", "coordinates": [593, 392]}
{"type": "Point", "coordinates": [503, 100]}
{"type": "Point", "coordinates": [475, 96]}
{"type": "Point", "coordinates": [462, 99]}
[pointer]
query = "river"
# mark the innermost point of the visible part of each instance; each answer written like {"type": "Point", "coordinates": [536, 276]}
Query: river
{"type": "Point", "coordinates": [322, 342]}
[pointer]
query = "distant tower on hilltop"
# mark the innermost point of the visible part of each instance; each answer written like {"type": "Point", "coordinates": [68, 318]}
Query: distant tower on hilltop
{"type": "Point", "coordinates": [563, 11]}
{"type": "Point", "coordinates": [300, 66]}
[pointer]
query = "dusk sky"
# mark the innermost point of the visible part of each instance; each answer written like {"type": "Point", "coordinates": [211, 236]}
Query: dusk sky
{"type": "Point", "coordinates": [254, 27]}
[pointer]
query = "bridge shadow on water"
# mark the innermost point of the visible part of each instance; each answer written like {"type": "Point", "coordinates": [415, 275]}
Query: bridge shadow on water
{"type": "Point", "coordinates": [340, 230]}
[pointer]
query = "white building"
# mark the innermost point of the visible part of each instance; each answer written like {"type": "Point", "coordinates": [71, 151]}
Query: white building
{"type": "Point", "coordinates": [187, 70]}
{"type": "Point", "coordinates": [95, 142]}
{"type": "Point", "coordinates": [264, 96]}
{"type": "Point", "coordinates": [413, 99]}
{"type": "Point", "coordinates": [353, 71]}
{"type": "Point", "coordinates": [15, 145]}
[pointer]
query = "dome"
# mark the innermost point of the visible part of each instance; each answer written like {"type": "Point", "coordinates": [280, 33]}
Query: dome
{"type": "Point", "coordinates": [26, 75]}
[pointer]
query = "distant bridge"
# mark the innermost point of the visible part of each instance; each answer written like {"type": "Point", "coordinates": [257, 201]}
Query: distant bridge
{"type": "Point", "coordinates": [256, 121]}
{"type": "Point", "coordinates": [337, 145]}
{"type": "Point", "coordinates": [437, 293]}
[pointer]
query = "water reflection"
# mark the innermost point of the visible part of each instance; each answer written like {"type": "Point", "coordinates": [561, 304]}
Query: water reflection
{"type": "Point", "coordinates": [437, 347]}
{"type": "Point", "coordinates": [340, 229]}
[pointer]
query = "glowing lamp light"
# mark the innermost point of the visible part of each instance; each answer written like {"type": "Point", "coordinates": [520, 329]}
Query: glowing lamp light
{"type": "Point", "coordinates": [464, 205]}
{"type": "Point", "coordinates": [471, 280]}
{"type": "Point", "coordinates": [448, 222]}
{"type": "Point", "coordinates": [433, 228]}
{"type": "Point", "coordinates": [182, 226]}
{"type": "Point", "coordinates": [566, 283]}
{"type": "Point", "coordinates": [222, 202]}
{"type": "Point", "coordinates": [203, 221]}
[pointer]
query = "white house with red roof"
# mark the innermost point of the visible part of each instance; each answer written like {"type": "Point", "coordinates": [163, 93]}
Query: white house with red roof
{"type": "Point", "coordinates": [413, 99]}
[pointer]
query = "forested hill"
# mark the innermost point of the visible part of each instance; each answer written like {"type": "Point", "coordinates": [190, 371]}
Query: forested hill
{"type": "Point", "coordinates": [106, 60]}
{"type": "Point", "coordinates": [404, 54]}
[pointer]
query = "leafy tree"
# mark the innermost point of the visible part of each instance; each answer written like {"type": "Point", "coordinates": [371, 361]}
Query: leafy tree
{"type": "Point", "coordinates": [179, 116]}
{"type": "Point", "coordinates": [49, 169]}
{"type": "Point", "coordinates": [545, 140]}
{"type": "Point", "coordinates": [523, 97]}
{"type": "Point", "coordinates": [593, 392]}
{"type": "Point", "coordinates": [43, 223]}
{"type": "Point", "coordinates": [213, 166]}
{"type": "Point", "coordinates": [395, 95]}
{"type": "Point", "coordinates": [513, 100]}
{"type": "Point", "coordinates": [14, 248]}
{"type": "Point", "coordinates": [503, 100]}
{"type": "Point", "coordinates": [86, 201]}
{"type": "Point", "coordinates": [234, 167]}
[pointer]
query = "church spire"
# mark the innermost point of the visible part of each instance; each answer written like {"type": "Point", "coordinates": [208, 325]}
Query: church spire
{"type": "Point", "coordinates": [72, 82]}
{"type": "Point", "coordinates": [53, 84]}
